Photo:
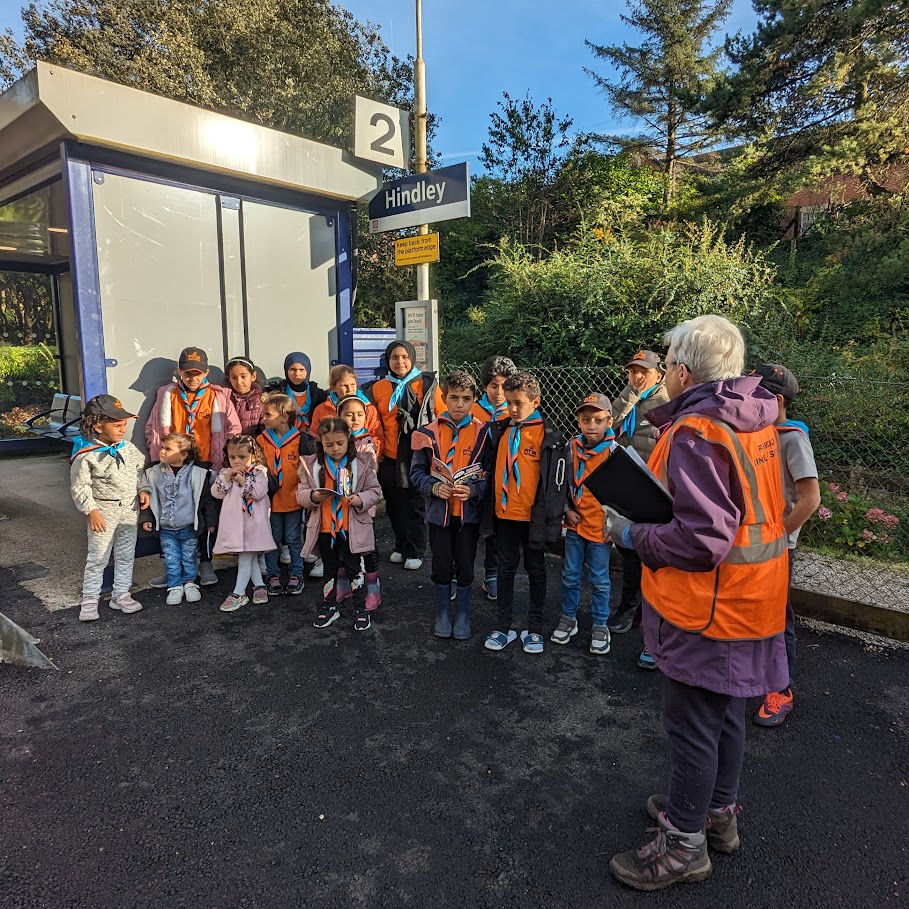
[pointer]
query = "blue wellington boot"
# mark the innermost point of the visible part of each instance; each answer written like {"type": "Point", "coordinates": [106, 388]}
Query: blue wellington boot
{"type": "Point", "coordinates": [462, 628]}
{"type": "Point", "coordinates": [443, 605]}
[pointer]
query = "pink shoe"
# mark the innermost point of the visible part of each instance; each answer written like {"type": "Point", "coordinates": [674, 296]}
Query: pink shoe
{"type": "Point", "coordinates": [125, 603]}
{"type": "Point", "coordinates": [260, 595]}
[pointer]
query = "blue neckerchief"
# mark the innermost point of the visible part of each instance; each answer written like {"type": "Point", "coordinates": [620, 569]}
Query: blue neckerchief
{"type": "Point", "coordinates": [277, 467]}
{"type": "Point", "coordinates": [83, 445]}
{"type": "Point", "coordinates": [583, 456]}
{"type": "Point", "coordinates": [301, 421]}
{"type": "Point", "coordinates": [362, 431]}
{"type": "Point", "coordinates": [401, 385]}
{"type": "Point", "coordinates": [793, 424]}
{"type": "Point", "coordinates": [193, 406]}
{"type": "Point", "coordinates": [630, 423]}
{"type": "Point", "coordinates": [334, 469]}
{"type": "Point", "coordinates": [512, 469]}
{"type": "Point", "coordinates": [455, 432]}
{"type": "Point", "coordinates": [357, 394]}
{"type": "Point", "coordinates": [496, 412]}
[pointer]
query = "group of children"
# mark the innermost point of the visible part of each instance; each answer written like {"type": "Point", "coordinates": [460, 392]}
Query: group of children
{"type": "Point", "coordinates": [289, 474]}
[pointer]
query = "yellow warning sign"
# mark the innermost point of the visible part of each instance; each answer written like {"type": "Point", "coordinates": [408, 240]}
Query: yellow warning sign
{"type": "Point", "coordinates": [417, 250]}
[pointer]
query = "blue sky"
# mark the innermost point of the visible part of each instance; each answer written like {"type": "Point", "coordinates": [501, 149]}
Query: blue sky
{"type": "Point", "coordinates": [476, 49]}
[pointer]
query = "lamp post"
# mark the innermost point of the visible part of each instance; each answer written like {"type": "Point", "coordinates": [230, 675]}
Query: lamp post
{"type": "Point", "coordinates": [419, 112]}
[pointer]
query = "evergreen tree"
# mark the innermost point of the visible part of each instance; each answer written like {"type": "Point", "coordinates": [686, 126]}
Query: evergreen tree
{"type": "Point", "coordinates": [821, 84]}
{"type": "Point", "coordinates": [663, 80]}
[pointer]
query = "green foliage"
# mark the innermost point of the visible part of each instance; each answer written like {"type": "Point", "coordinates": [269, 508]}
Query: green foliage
{"type": "Point", "coordinates": [28, 376]}
{"type": "Point", "coordinates": [605, 294]}
{"type": "Point", "coordinates": [663, 80]}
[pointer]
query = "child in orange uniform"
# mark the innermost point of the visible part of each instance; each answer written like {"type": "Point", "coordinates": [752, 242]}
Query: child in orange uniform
{"type": "Point", "coordinates": [343, 384]}
{"type": "Point", "coordinates": [585, 542]}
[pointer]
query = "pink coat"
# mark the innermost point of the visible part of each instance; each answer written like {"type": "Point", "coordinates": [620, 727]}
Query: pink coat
{"type": "Point", "coordinates": [224, 423]}
{"type": "Point", "coordinates": [361, 535]}
{"type": "Point", "coordinates": [239, 531]}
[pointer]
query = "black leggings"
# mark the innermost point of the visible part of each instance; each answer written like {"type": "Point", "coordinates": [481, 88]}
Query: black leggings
{"type": "Point", "coordinates": [336, 555]}
{"type": "Point", "coordinates": [406, 510]}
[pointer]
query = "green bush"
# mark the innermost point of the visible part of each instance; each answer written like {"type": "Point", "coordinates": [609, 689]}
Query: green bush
{"type": "Point", "coordinates": [28, 376]}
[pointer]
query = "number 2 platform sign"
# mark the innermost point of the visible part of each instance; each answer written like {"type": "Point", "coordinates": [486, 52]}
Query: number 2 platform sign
{"type": "Point", "coordinates": [381, 133]}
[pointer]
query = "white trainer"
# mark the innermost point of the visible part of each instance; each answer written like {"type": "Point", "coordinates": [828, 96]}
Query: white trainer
{"type": "Point", "coordinates": [192, 593]}
{"type": "Point", "coordinates": [174, 595]}
{"type": "Point", "coordinates": [317, 570]}
{"type": "Point", "coordinates": [413, 564]}
{"type": "Point", "coordinates": [284, 558]}
{"type": "Point", "coordinates": [396, 558]}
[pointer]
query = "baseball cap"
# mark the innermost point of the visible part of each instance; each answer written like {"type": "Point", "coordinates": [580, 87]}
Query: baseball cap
{"type": "Point", "coordinates": [778, 380]}
{"type": "Point", "coordinates": [193, 358]}
{"type": "Point", "coordinates": [106, 406]}
{"type": "Point", "coordinates": [646, 358]}
{"type": "Point", "coordinates": [595, 401]}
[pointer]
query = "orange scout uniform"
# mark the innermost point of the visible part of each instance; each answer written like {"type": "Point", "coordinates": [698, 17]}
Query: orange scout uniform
{"type": "Point", "coordinates": [201, 431]}
{"type": "Point", "coordinates": [514, 498]}
{"type": "Point", "coordinates": [744, 597]}
{"type": "Point", "coordinates": [282, 456]}
{"type": "Point", "coordinates": [584, 502]}
{"type": "Point", "coordinates": [373, 424]}
{"type": "Point", "coordinates": [463, 453]}
{"type": "Point", "coordinates": [382, 391]}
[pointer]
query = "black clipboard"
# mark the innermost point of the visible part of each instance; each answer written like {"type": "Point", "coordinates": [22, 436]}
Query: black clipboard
{"type": "Point", "coordinates": [624, 483]}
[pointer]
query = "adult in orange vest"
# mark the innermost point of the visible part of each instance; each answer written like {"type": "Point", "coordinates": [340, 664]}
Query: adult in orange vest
{"type": "Point", "coordinates": [714, 591]}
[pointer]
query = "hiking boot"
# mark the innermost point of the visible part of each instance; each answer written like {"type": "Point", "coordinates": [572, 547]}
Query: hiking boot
{"type": "Point", "coordinates": [722, 826]}
{"type": "Point", "coordinates": [599, 640]}
{"type": "Point", "coordinates": [646, 661]}
{"type": "Point", "coordinates": [192, 593]}
{"type": "Point", "coordinates": [207, 576]}
{"type": "Point", "coordinates": [671, 857]}
{"type": "Point", "coordinates": [275, 588]}
{"type": "Point", "coordinates": [622, 621]}
{"type": "Point", "coordinates": [565, 631]}
{"type": "Point", "coordinates": [491, 587]}
{"type": "Point", "coordinates": [284, 557]}
{"type": "Point", "coordinates": [174, 596]}
{"type": "Point", "coordinates": [326, 616]}
{"type": "Point", "coordinates": [294, 586]}
{"type": "Point", "coordinates": [123, 602]}
{"type": "Point", "coordinates": [776, 707]}
{"type": "Point", "coordinates": [88, 610]}
{"type": "Point", "coordinates": [260, 595]}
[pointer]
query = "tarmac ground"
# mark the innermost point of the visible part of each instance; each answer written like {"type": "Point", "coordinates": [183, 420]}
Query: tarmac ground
{"type": "Point", "coordinates": [186, 757]}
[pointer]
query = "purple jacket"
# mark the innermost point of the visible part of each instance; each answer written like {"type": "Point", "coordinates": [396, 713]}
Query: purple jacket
{"type": "Point", "coordinates": [707, 508]}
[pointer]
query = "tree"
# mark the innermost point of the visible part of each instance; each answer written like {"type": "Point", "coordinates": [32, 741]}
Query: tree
{"type": "Point", "coordinates": [664, 80]}
{"type": "Point", "coordinates": [821, 84]}
{"type": "Point", "coordinates": [526, 146]}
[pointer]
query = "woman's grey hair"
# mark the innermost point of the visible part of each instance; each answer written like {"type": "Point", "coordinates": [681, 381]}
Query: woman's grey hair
{"type": "Point", "coordinates": [710, 346]}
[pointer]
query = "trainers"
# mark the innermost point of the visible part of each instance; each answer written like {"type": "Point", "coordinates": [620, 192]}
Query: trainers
{"type": "Point", "coordinates": [532, 643]}
{"type": "Point", "coordinates": [275, 588]}
{"type": "Point", "coordinates": [599, 640]}
{"type": "Point", "coordinates": [396, 558]}
{"type": "Point", "coordinates": [327, 615]}
{"type": "Point", "coordinates": [260, 595]}
{"type": "Point", "coordinates": [776, 707]}
{"type": "Point", "coordinates": [622, 621]}
{"type": "Point", "coordinates": [294, 585]}
{"type": "Point", "coordinates": [192, 593]}
{"type": "Point", "coordinates": [646, 661]}
{"type": "Point", "coordinates": [491, 587]}
{"type": "Point", "coordinates": [499, 640]}
{"type": "Point", "coordinates": [722, 824]}
{"type": "Point", "coordinates": [159, 582]}
{"type": "Point", "coordinates": [284, 558]}
{"type": "Point", "coordinates": [233, 602]}
{"type": "Point", "coordinates": [363, 622]}
{"type": "Point", "coordinates": [671, 857]}
{"type": "Point", "coordinates": [317, 570]}
{"type": "Point", "coordinates": [174, 595]}
{"type": "Point", "coordinates": [566, 630]}
{"type": "Point", "coordinates": [125, 603]}
{"type": "Point", "coordinates": [88, 610]}
{"type": "Point", "coordinates": [207, 576]}
{"type": "Point", "coordinates": [413, 564]}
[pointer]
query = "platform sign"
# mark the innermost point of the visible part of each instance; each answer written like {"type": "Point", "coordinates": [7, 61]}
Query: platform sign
{"type": "Point", "coordinates": [417, 321]}
{"type": "Point", "coordinates": [417, 250]}
{"type": "Point", "coordinates": [381, 133]}
{"type": "Point", "coordinates": [437, 195]}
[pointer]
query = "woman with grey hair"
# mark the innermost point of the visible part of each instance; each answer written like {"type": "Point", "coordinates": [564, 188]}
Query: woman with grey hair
{"type": "Point", "coordinates": [714, 592]}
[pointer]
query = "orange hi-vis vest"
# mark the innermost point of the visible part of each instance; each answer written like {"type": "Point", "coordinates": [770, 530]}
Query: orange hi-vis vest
{"type": "Point", "coordinates": [744, 597]}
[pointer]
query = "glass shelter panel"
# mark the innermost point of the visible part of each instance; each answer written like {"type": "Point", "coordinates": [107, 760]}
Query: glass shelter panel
{"type": "Point", "coordinates": [159, 277]}
{"type": "Point", "coordinates": [291, 293]}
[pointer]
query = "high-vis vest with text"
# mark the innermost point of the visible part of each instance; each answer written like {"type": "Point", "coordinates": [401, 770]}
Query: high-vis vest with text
{"type": "Point", "coordinates": [744, 597]}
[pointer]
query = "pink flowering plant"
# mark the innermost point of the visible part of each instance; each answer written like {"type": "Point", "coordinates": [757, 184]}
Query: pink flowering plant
{"type": "Point", "coordinates": [847, 520]}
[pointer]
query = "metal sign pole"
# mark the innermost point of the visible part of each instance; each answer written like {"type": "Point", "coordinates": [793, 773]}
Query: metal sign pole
{"type": "Point", "coordinates": [419, 85]}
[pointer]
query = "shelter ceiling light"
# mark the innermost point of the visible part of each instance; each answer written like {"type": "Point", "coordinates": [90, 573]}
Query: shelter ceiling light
{"type": "Point", "coordinates": [8, 248]}
{"type": "Point", "coordinates": [58, 230]}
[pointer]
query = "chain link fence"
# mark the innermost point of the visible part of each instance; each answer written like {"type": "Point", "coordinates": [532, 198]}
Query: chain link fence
{"type": "Point", "coordinates": [857, 545]}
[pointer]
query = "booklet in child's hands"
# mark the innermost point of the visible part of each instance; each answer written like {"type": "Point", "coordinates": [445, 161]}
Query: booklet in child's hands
{"type": "Point", "coordinates": [343, 489]}
{"type": "Point", "coordinates": [444, 474]}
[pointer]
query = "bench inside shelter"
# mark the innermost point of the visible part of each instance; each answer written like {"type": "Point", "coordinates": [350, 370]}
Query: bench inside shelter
{"type": "Point", "coordinates": [61, 422]}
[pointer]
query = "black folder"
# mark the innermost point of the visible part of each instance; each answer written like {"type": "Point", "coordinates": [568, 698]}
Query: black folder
{"type": "Point", "coordinates": [625, 484]}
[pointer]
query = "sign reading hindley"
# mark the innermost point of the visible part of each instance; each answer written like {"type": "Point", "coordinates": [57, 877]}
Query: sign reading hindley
{"type": "Point", "coordinates": [417, 250]}
{"type": "Point", "coordinates": [437, 195]}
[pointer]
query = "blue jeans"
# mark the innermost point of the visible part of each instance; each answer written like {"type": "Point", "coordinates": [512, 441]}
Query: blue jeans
{"type": "Point", "coordinates": [596, 555]}
{"type": "Point", "coordinates": [286, 529]}
{"type": "Point", "coordinates": [179, 550]}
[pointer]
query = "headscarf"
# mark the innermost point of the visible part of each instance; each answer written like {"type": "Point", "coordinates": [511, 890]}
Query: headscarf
{"type": "Point", "coordinates": [400, 384]}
